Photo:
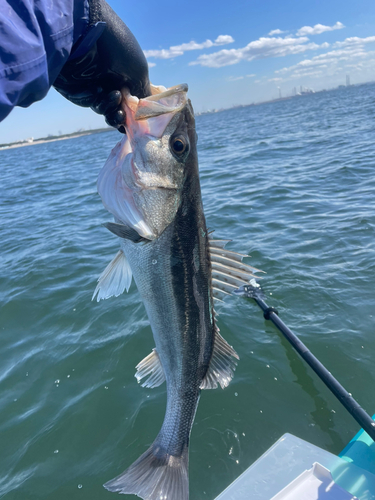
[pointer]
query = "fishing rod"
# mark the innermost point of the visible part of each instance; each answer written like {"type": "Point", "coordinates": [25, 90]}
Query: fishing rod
{"type": "Point", "coordinates": [254, 291]}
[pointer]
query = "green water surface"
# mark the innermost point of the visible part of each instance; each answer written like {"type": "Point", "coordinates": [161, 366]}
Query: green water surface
{"type": "Point", "coordinates": [292, 184]}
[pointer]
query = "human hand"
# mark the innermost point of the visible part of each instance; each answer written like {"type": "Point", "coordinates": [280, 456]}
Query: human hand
{"type": "Point", "coordinates": [93, 78]}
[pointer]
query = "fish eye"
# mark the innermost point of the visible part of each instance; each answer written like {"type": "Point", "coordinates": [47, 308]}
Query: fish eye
{"type": "Point", "coordinates": [179, 145]}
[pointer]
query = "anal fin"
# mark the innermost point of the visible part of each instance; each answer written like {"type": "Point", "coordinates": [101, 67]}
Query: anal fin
{"type": "Point", "coordinates": [114, 279]}
{"type": "Point", "coordinates": [222, 364]}
{"type": "Point", "coordinates": [150, 367]}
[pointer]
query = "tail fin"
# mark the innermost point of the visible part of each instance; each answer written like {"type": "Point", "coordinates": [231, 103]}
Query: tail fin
{"type": "Point", "coordinates": [152, 477]}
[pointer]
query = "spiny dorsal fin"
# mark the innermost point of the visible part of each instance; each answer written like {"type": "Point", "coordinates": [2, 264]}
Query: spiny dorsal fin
{"type": "Point", "coordinates": [222, 364]}
{"type": "Point", "coordinates": [228, 270]}
{"type": "Point", "coordinates": [150, 367]}
{"type": "Point", "coordinates": [114, 279]}
{"type": "Point", "coordinates": [218, 243]}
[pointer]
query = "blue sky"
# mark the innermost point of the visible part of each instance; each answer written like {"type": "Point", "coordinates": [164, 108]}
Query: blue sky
{"type": "Point", "coordinates": [229, 53]}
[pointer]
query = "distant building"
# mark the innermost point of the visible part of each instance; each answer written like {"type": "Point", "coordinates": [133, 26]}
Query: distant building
{"type": "Point", "coordinates": [348, 80]}
{"type": "Point", "coordinates": [306, 90]}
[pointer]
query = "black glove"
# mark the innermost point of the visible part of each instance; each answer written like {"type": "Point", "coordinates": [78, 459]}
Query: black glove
{"type": "Point", "coordinates": [116, 60]}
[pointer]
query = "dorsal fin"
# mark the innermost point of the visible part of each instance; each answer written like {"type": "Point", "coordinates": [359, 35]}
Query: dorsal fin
{"type": "Point", "coordinates": [228, 270]}
{"type": "Point", "coordinates": [228, 274]}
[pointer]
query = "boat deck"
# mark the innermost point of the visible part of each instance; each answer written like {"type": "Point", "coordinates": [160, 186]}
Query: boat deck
{"type": "Point", "coordinates": [290, 456]}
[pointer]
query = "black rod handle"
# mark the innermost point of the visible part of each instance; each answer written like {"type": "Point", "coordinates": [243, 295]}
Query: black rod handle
{"type": "Point", "coordinates": [354, 408]}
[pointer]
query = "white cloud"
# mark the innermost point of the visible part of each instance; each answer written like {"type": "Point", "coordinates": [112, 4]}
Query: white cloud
{"type": "Point", "coordinates": [275, 32]}
{"type": "Point", "coordinates": [318, 28]}
{"type": "Point", "coordinates": [332, 63]}
{"type": "Point", "coordinates": [258, 49]}
{"type": "Point", "coordinates": [328, 58]}
{"type": "Point", "coordinates": [311, 74]}
{"type": "Point", "coordinates": [223, 40]}
{"type": "Point", "coordinates": [234, 78]}
{"type": "Point", "coordinates": [355, 40]}
{"type": "Point", "coordinates": [179, 50]}
{"type": "Point", "coordinates": [151, 64]}
{"type": "Point", "coordinates": [162, 54]}
{"type": "Point", "coordinates": [275, 80]}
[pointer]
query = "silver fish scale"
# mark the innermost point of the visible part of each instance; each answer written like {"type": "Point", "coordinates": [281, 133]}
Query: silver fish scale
{"type": "Point", "coordinates": [180, 339]}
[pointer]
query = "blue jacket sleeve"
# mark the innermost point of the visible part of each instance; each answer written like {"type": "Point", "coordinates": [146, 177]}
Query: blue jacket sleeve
{"type": "Point", "coordinates": [36, 39]}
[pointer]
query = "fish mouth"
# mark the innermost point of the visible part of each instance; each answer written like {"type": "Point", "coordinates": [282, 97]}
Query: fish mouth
{"type": "Point", "coordinates": [171, 100]}
{"type": "Point", "coordinates": [151, 115]}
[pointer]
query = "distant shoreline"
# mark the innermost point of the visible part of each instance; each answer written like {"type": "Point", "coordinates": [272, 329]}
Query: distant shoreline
{"type": "Point", "coordinates": [81, 133]}
{"type": "Point", "coordinates": [298, 95]}
{"type": "Point", "coordinates": [62, 137]}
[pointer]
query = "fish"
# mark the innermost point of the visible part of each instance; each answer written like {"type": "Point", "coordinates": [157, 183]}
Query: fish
{"type": "Point", "coordinates": [150, 184]}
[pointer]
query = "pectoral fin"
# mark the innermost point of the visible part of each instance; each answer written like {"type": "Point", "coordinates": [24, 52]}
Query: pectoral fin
{"type": "Point", "coordinates": [114, 279]}
{"type": "Point", "coordinates": [125, 232]}
{"type": "Point", "coordinates": [222, 364]}
{"type": "Point", "coordinates": [150, 367]}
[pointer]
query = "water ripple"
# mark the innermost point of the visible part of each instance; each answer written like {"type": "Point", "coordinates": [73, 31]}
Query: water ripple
{"type": "Point", "coordinates": [292, 184]}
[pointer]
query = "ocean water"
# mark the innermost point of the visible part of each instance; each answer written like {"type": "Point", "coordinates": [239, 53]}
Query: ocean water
{"type": "Point", "coordinates": [292, 184]}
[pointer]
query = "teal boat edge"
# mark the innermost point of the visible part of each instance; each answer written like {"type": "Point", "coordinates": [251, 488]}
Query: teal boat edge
{"type": "Point", "coordinates": [360, 451]}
